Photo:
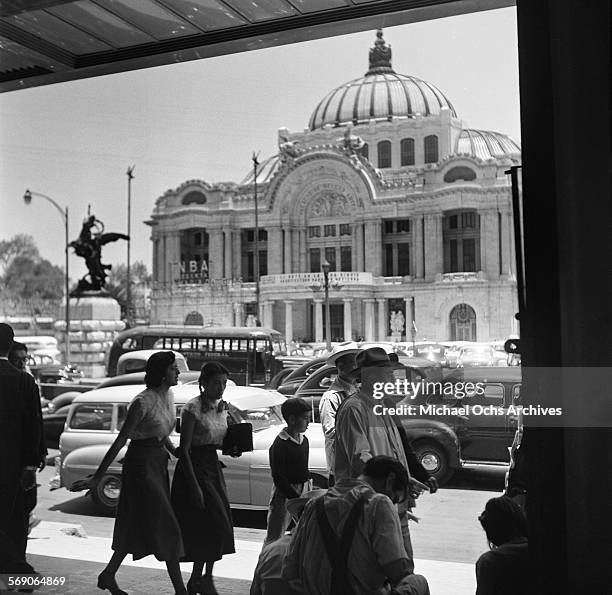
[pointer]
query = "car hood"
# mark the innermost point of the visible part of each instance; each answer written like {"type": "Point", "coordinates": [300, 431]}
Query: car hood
{"type": "Point", "coordinates": [262, 439]}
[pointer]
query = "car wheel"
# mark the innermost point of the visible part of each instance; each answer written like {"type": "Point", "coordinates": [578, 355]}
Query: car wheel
{"type": "Point", "coordinates": [106, 494]}
{"type": "Point", "coordinates": [434, 459]}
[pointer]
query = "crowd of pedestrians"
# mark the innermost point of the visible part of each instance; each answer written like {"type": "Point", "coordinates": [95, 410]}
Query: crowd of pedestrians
{"type": "Point", "coordinates": [350, 539]}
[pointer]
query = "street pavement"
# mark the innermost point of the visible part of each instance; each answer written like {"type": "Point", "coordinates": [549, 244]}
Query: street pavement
{"type": "Point", "coordinates": [72, 540]}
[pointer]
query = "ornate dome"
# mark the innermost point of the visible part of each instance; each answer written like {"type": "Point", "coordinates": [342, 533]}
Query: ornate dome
{"type": "Point", "coordinates": [485, 144]}
{"type": "Point", "coordinates": [379, 95]}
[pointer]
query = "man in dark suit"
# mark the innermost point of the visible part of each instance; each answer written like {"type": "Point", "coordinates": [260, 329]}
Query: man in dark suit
{"type": "Point", "coordinates": [18, 356]}
{"type": "Point", "coordinates": [20, 455]}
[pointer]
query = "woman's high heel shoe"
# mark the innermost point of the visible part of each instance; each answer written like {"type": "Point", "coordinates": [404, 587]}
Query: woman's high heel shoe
{"type": "Point", "coordinates": [107, 581]}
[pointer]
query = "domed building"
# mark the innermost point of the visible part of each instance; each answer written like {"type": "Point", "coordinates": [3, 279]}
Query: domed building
{"type": "Point", "coordinates": [410, 209]}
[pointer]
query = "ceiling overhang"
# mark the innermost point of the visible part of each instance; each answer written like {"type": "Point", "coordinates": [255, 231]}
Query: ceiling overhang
{"type": "Point", "coordinates": [50, 41]}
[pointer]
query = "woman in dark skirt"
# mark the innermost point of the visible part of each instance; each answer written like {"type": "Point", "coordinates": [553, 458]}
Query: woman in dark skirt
{"type": "Point", "coordinates": [145, 523]}
{"type": "Point", "coordinates": [199, 495]}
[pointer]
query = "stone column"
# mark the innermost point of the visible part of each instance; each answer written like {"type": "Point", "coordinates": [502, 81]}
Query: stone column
{"type": "Point", "coordinates": [288, 321]}
{"type": "Point", "coordinates": [382, 319]}
{"type": "Point", "coordinates": [227, 255]}
{"type": "Point", "coordinates": [275, 251]}
{"type": "Point", "coordinates": [373, 247]}
{"type": "Point", "coordinates": [360, 247]}
{"type": "Point", "coordinates": [268, 314]}
{"type": "Point", "coordinates": [295, 251]}
{"type": "Point", "coordinates": [354, 266]}
{"type": "Point", "coordinates": [408, 310]}
{"type": "Point", "coordinates": [215, 254]}
{"type": "Point", "coordinates": [348, 320]}
{"type": "Point", "coordinates": [237, 253]}
{"type": "Point", "coordinates": [172, 255]}
{"type": "Point", "coordinates": [238, 314]}
{"type": "Point", "coordinates": [489, 243]}
{"type": "Point", "coordinates": [417, 246]}
{"type": "Point", "coordinates": [369, 319]}
{"type": "Point", "coordinates": [434, 262]}
{"type": "Point", "coordinates": [507, 233]}
{"type": "Point", "coordinates": [287, 250]}
{"type": "Point", "coordinates": [303, 260]}
{"type": "Point", "coordinates": [318, 316]}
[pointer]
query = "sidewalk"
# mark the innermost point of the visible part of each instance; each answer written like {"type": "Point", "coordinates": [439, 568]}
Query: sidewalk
{"type": "Point", "coordinates": [62, 549]}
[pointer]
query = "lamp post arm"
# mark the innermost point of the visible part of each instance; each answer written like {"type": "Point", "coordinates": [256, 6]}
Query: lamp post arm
{"type": "Point", "coordinates": [64, 214]}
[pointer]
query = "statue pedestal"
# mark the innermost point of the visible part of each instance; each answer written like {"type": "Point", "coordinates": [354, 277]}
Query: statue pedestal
{"type": "Point", "coordinates": [95, 319]}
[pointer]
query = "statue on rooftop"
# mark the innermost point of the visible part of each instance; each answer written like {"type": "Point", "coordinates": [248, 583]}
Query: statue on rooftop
{"type": "Point", "coordinates": [89, 246]}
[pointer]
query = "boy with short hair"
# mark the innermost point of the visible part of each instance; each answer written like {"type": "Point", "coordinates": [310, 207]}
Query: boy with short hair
{"type": "Point", "coordinates": [289, 465]}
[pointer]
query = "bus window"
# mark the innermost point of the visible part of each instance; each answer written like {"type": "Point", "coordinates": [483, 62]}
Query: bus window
{"type": "Point", "coordinates": [130, 344]}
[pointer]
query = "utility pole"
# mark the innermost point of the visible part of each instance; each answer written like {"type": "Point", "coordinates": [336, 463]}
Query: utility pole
{"type": "Point", "coordinates": [255, 164]}
{"type": "Point", "coordinates": [128, 291]}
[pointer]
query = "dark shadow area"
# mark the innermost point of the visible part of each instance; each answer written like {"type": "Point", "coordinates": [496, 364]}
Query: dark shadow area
{"type": "Point", "coordinates": [478, 478]}
{"type": "Point", "coordinates": [81, 505]}
{"type": "Point", "coordinates": [249, 519]}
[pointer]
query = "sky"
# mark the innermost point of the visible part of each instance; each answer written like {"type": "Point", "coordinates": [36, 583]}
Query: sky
{"type": "Point", "coordinates": [203, 119]}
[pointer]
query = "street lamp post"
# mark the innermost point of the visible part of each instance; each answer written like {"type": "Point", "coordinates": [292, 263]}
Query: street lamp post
{"type": "Point", "coordinates": [255, 164]}
{"type": "Point", "coordinates": [128, 289]}
{"type": "Point", "coordinates": [27, 198]}
{"type": "Point", "coordinates": [325, 266]}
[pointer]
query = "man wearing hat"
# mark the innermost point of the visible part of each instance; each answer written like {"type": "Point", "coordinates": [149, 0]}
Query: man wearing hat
{"type": "Point", "coordinates": [361, 434]}
{"type": "Point", "coordinates": [342, 387]}
{"type": "Point", "coordinates": [350, 539]}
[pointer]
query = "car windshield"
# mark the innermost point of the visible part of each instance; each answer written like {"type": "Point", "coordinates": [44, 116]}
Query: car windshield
{"type": "Point", "coordinates": [259, 417]}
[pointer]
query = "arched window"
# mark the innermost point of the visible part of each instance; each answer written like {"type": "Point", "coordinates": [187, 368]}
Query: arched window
{"type": "Point", "coordinates": [194, 197]}
{"type": "Point", "coordinates": [407, 151]}
{"type": "Point", "coordinates": [431, 148]}
{"type": "Point", "coordinates": [384, 154]}
{"type": "Point", "coordinates": [194, 319]}
{"type": "Point", "coordinates": [462, 323]}
{"type": "Point", "coordinates": [460, 172]}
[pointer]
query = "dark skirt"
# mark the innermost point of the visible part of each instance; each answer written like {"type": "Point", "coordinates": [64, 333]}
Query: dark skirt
{"type": "Point", "coordinates": [208, 533]}
{"type": "Point", "coordinates": [145, 522]}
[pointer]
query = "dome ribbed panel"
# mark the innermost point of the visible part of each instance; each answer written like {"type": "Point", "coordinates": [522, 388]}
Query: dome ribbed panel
{"type": "Point", "coordinates": [379, 96]}
{"type": "Point", "coordinates": [380, 99]}
{"type": "Point", "coordinates": [361, 112]}
{"type": "Point", "coordinates": [485, 144]}
{"type": "Point", "coordinates": [399, 97]}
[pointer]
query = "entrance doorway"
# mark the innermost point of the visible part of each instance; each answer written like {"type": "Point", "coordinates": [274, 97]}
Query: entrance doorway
{"type": "Point", "coordinates": [462, 323]}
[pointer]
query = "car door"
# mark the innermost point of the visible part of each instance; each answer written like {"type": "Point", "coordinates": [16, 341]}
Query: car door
{"type": "Point", "coordinates": [487, 432]}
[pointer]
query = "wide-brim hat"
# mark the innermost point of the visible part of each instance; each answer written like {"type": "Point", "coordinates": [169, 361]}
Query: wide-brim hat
{"type": "Point", "coordinates": [372, 357]}
{"type": "Point", "coordinates": [341, 351]}
{"type": "Point", "coordinates": [295, 506]}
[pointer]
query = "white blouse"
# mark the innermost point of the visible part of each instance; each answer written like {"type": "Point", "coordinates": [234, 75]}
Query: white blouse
{"type": "Point", "coordinates": [157, 415]}
{"type": "Point", "coordinates": [210, 421]}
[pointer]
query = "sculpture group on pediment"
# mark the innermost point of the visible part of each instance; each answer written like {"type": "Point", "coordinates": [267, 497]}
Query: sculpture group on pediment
{"type": "Point", "coordinates": [332, 204]}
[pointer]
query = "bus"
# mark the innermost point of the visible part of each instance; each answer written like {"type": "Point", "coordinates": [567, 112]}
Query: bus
{"type": "Point", "coordinates": [251, 354]}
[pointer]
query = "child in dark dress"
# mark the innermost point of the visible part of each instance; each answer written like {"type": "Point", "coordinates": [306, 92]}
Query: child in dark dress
{"type": "Point", "coordinates": [289, 465]}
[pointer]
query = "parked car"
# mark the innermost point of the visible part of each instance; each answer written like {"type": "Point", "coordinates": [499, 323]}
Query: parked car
{"type": "Point", "coordinates": [96, 417]}
{"type": "Point", "coordinates": [293, 381]}
{"type": "Point", "coordinates": [54, 422]}
{"type": "Point", "coordinates": [436, 352]}
{"type": "Point", "coordinates": [445, 443]}
{"type": "Point", "coordinates": [476, 354]}
{"type": "Point", "coordinates": [136, 361]}
{"type": "Point", "coordinates": [313, 387]}
{"type": "Point", "coordinates": [483, 438]}
{"type": "Point", "coordinates": [278, 379]}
